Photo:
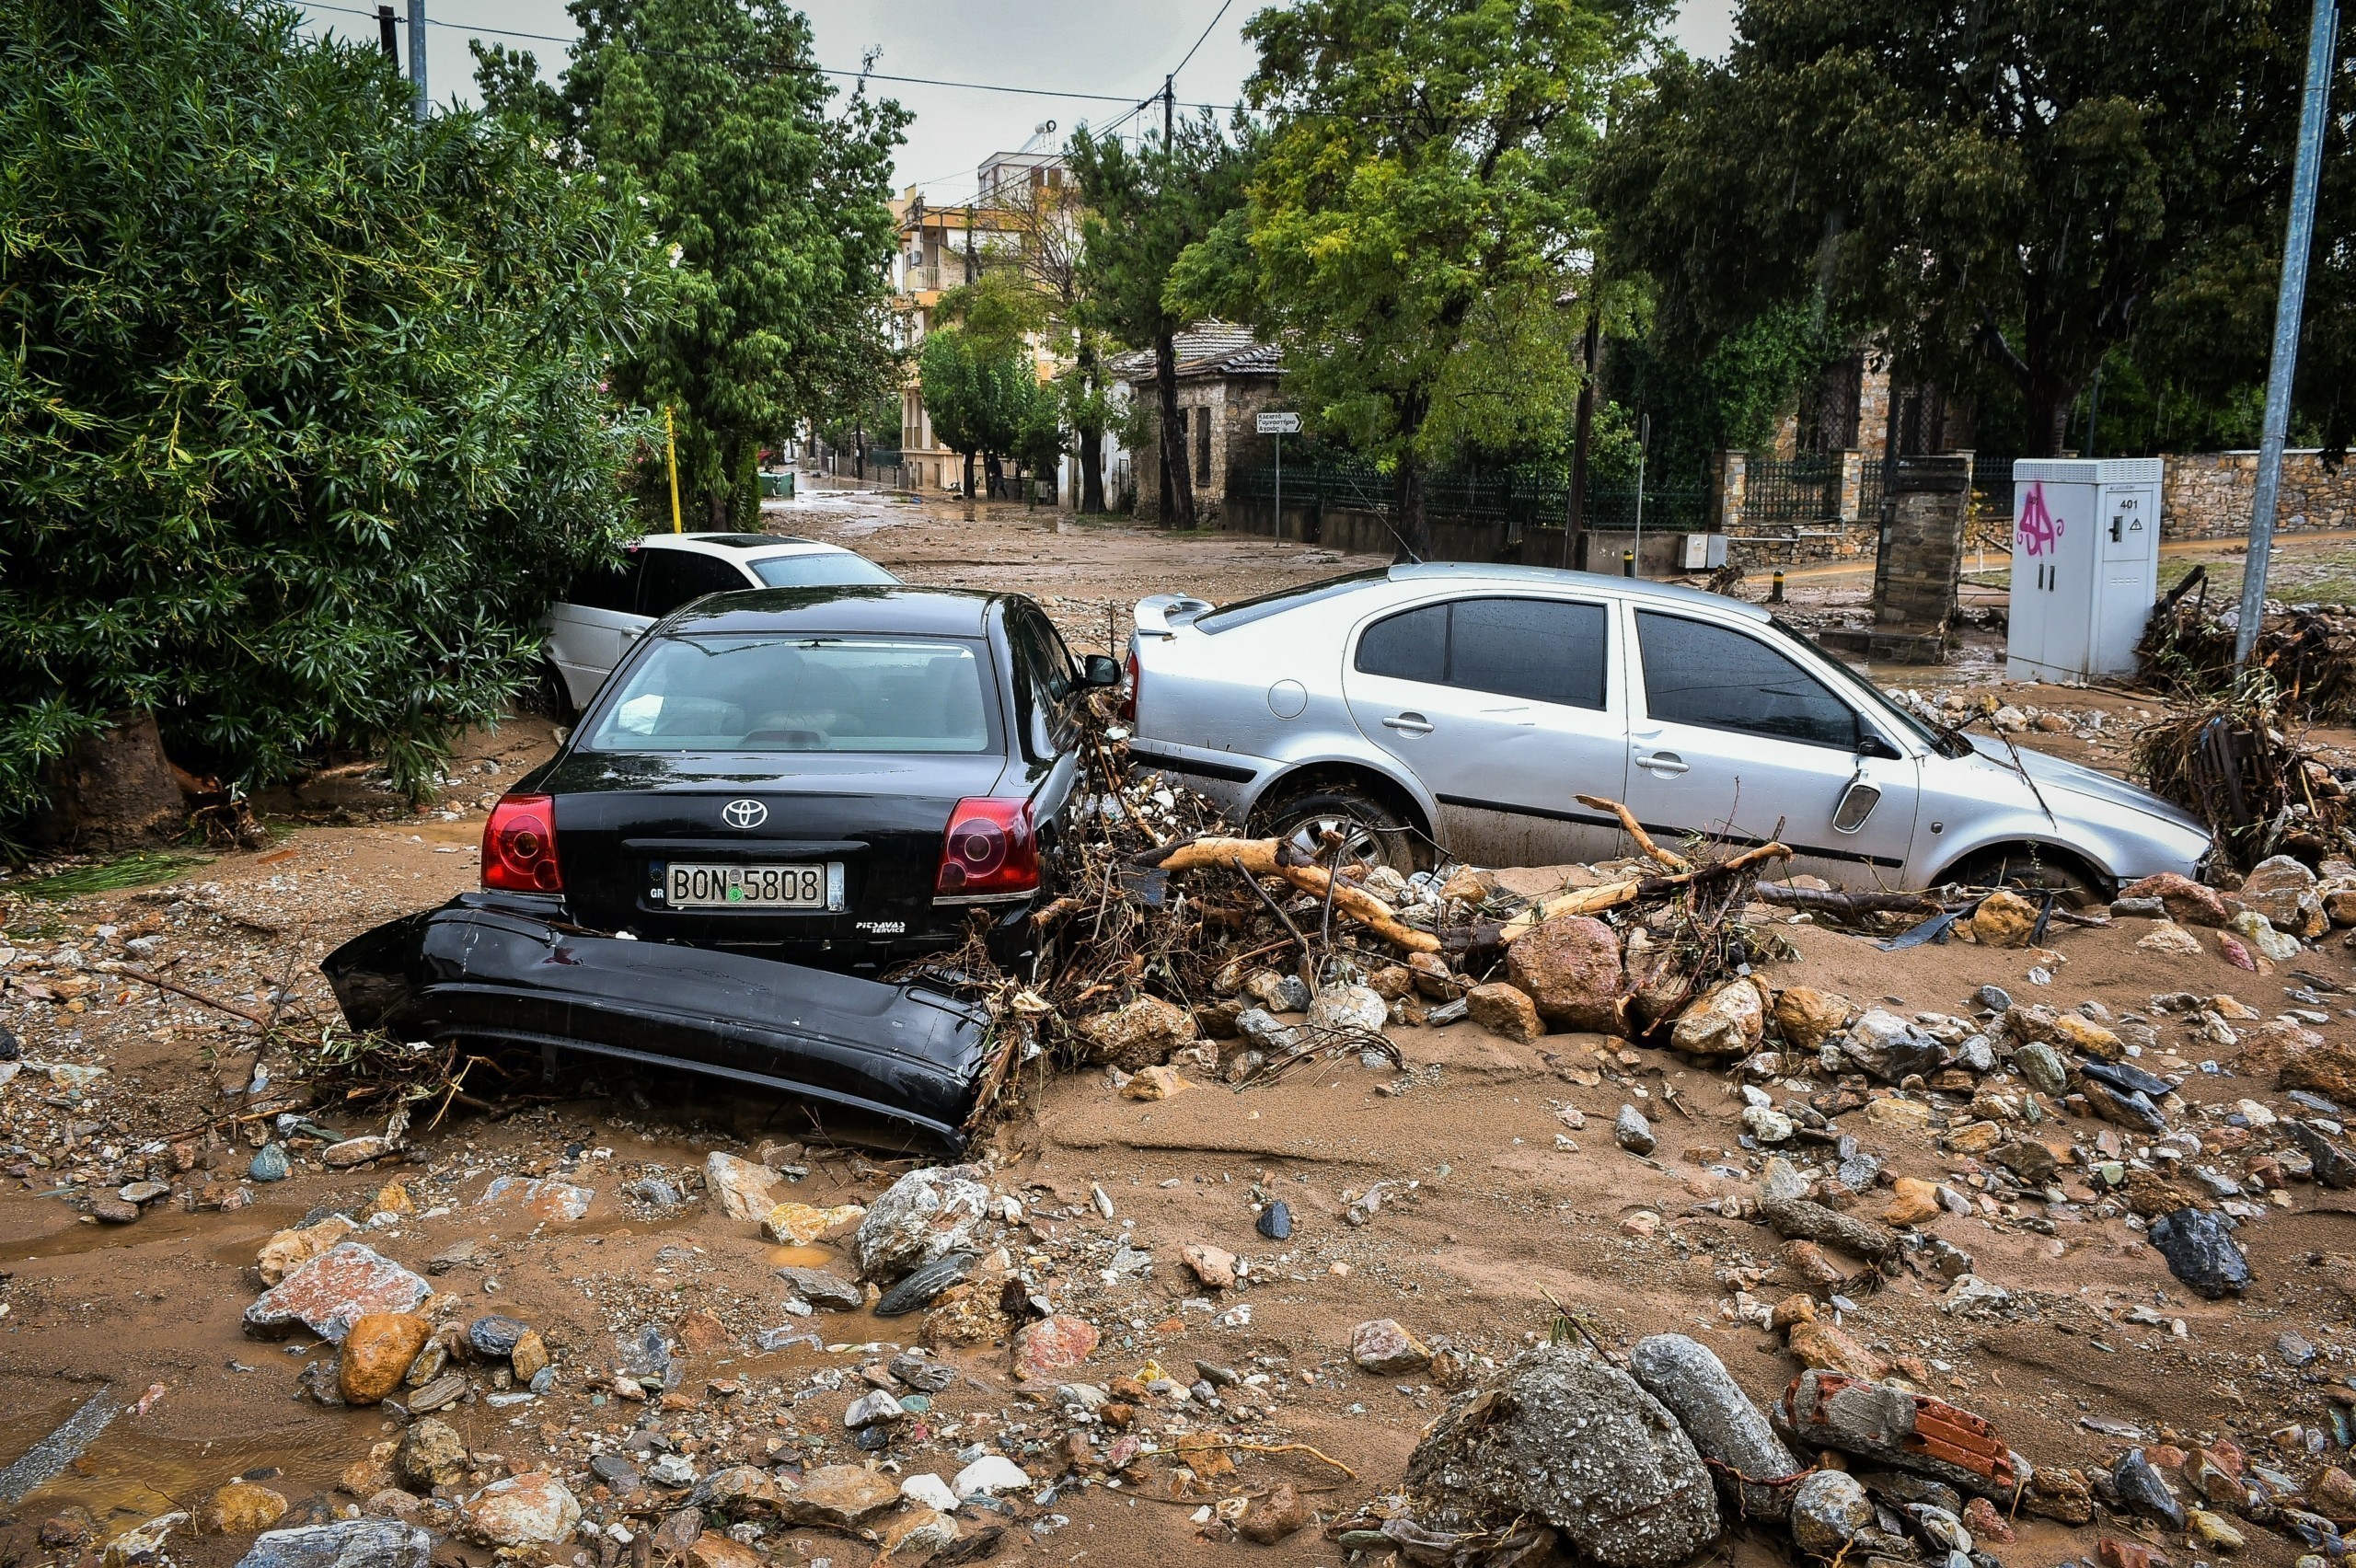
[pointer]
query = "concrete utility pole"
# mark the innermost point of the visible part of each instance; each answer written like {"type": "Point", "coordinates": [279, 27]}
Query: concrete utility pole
{"type": "Point", "coordinates": [2290, 307]}
{"type": "Point", "coordinates": [417, 59]}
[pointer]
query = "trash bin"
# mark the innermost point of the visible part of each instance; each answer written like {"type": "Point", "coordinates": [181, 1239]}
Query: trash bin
{"type": "Point", "coordinates": [778, 484]}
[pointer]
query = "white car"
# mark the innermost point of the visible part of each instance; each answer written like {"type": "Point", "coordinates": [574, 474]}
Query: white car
{"type": "Point", "coordinates": [588, 630]}
{"type": "Point", "coordinates": [1463, 708]}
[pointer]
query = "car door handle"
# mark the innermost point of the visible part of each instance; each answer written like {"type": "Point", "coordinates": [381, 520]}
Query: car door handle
{"type": "Point", "coordinates": [1666, 765]}
{"type": "Point", "coordinates": [1408, 724]}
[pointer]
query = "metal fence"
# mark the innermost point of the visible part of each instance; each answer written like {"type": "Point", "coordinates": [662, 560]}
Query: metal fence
{"type": "Point", "coordinates": [1519, 498]}
{"type": "Point", "coordinates": [1807, 490]}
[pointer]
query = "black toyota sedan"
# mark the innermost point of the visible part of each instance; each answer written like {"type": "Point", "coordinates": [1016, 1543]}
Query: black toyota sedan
{"type": "Point", "coordinates": [778, 796]}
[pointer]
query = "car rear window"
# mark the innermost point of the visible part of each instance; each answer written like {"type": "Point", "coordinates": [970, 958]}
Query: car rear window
{"type": "Point", "coordinates": [1544, 649]}
{"type": "Point", "coordinates": [820, 568]}
{"type": "Point", "coordinates": [1243, 612]}
{"type": "Point", "coordinates": [800, 693]}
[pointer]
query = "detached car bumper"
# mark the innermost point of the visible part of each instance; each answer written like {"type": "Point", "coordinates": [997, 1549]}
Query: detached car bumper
{"type": "Point", "coordinates": [896, 1066]}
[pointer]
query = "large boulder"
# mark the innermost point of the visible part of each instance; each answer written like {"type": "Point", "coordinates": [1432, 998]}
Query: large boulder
{"type": "Point", "coordinates": [530, 1510]}
{"type": "Point", "coordinates": [1568, 1441]}
{"type": "Point", "coordinates": [347, 1543]}
{"type": "Point", "coordinates": [2287, 893]}
{"type": "Point", "coordinates": [1143, 1034]}
{"type": "Point", "coordinates": [744, 1188]}
{"type": "Point", "coordinates": [334, 1291]}
{"type": "Point", "coordinates": [1570, 967]}
{"type": "Point", "coordinates": [2187, 902]}
{"type": "Point", "coordinates": [1504, 1009]}
{"type": "Point", "coordinates": [377, 1354]}
{"type": "Point", "coordinates": [1806, 1018]}
{"type": "Point", "coordinates": [925, 1215]}
{"type": "Point", "coordinates": [290, 1249]}
{"type": "Point", "coordinates": [1729, 1021]}
{"type": "Point", "coordinates": [1692, 1383]}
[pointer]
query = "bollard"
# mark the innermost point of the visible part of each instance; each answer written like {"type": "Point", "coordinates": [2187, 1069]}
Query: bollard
{"type": "Point", "coordinates": [1627, 563]}
{"type": "Point", "coordinates": [1775, 594]}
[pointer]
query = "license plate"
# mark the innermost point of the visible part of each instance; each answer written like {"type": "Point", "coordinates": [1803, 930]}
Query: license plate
{"type": "Point", "coordinates": [754, 887]}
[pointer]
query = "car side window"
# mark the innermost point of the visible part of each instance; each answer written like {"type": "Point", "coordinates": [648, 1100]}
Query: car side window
{"type": "Point", "coordinates": [672, 578]}
{"type": "Point", "coordinates": [1044, 667]}
{"type": "Point", "coordinates": [1704, 674]}
{"type": "Point", "coordinates": [1542, 648]}
{"type": "Point", "coordinates": [613, 587]}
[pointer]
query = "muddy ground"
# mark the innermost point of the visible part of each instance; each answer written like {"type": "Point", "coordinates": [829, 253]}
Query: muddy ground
{"type": "Point", "coordinates": [1512, 1204]}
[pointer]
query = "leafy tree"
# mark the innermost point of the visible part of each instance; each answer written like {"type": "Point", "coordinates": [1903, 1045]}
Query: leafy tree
{"type": "Point", "coordinates": [2008, 184]}
{"type": "Point", "coordinates": [777, 209]}
{"type": "Point", "coordinates": [1143, 209]}
{"type": "Point", "coordinates": [302, 419]}
{"type": "Point", "coordinates": [1419, 213]}
{"type": "Point", "coordinates": [985, 398]}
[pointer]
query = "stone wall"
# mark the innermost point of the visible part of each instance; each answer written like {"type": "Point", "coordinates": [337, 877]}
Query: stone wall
{"type": "Point", "coordinates": [2207, 495]}
{"type": "Point", "coordinates": [1232, 405]}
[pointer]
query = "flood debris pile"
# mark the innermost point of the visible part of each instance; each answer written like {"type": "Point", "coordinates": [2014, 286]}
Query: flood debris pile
{"type": "Point", "coordinates": [2307, 654]}
{"type": "Point", "coordinates": [2231, 763]}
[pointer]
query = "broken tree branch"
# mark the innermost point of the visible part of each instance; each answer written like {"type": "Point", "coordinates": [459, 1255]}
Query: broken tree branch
{"type": "Point", "coordinates": [1629, 824]}
{"type": "Point", "coordinates": [1274, 857]}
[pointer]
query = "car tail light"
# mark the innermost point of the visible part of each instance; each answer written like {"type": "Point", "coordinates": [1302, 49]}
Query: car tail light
{"type": "Point", "coordinates": [519, 846]}
{"type": "Point", "coordinates": [1128, 709]}
{"type": "Point", "coordinates": [989, 849]}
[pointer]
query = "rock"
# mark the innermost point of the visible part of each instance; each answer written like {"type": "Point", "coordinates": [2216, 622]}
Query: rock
{"type": "Point", "coordinates": [1139, 1035]}
{"type": "Point", "coordinates": [268, 1163]}
{"type": "Point", "coordinates": [2328, 1070]}
{"type": "Point", "coordinates": [1632, 1132]}
{"type": "Point", "coordinates": [1728, 1022]}
{"type": "Point", "coordinates": [1831, 1348]}
{"type": "Point", "coordinates": [334, 1290]}
{"type": "Point", "coordinates": [2200, 1254]}
{"type": "Point", "coordinates": [241, 1508]}
{"type": "Point", "coordinates": [1908, 1432]}
{"type": "Point", "coordinates": [1504, 1009]}
{"type": "Point", "coordinates": [2143, 1490]}
{"type": "Point", "coordinates": [529, 1356]}
{"type": "Point", "coordinates": [927, 1285]}
{"type": "Point", "coordinates": [1350, 1007]}
{"type": "Point", "coordinates": [874, 1408]}
{"type": "Point", "coordinates": [2041, 1064]}
{"type": "Point", "coordinates": [2170, 939]}
{"type": "Point", "coordinates": [1806, 1018]}
{"type": "Point", "coordinates": [1434, 979]}
{"type": "Point", "coordinates": [2004, 919]}
{"type": "Point", "coordinates": [113, 1210]}
{"type": "Point", "coordinates": [928, 1490]}
{"type": "Point", "coordinates": [143, 1546]}
{"type": "Point", "coordinates": [1912, 1202]}
{"type": "Point", "coordinates": [798, 1224]}
{"type": "Point", "coordinates": [347, 1543]}
{"type": "Point", "coordinates": [1979, 1517]}
{"type": "Point", "coordinates": [1265, 1030]}
{"type": "Point", "coordinates": [922, 1216]}
{"type": "Point", "coordinates": [713, 1550]}
{"type": "Point", "coordinates": [350, 1152]}
{"type": "Point", "coordinates": [1274, 1221]}
{"type": "Point", "coordinates": [1215, 1266]}
{"type": "Point", "coordinates": [494, 1335]}
{"type": "Point", "coordinates": [531, 1509]}
{"type": "Point", "coordinates": [735, 1491]}
{"type": "Point", "coordinates": [2064, 1031]}
{"type": "Point", "coordinates": [988, 1476]}
{"type": "Point", "coordinates": [1268, 1519]}
{"type": "Point", "coordinates": [2335, 1166]}
{"type": "Point", "coordinates": [918, 1533]}
{"type": "Point", "coordinates": [2032, 1161]}
{"type": "Point", "coordinates": [1153, 1083]}
{"type": "Point", "coordinates": [1692, 1384]}
{"type": "Point", "coordinates": [1828, 1510]}
{"type": "Point", "coordinates": [2334, 1494]}
{"type": "Point", "coordinates": [1890, 1049]}
{"type": "Point", "coordinates": [2215, 1532]}
{"type": "Point", "coordinates": [1629, 1492]}
{"type": "Point", "coordinates": [2186, 901]}
{"type": "Point", "coordinates": [2285, 892]}
{"type": "Point", "coordinates": [377, 1352]}
{"type": "Point", "coordinates": [1054, 1343]}
{"type": "Point", "coordinates": [1570, 968]}
{"type": "Point", "coordinates": [744, 1188]}
{"type": "Point", "coordinates": [430, 1455]}
{"type": "Point", "coordinates": [550, 1202]}
{"type": "Point", "coordinates": [2259, 933]}
{"type": "Point", "coordinates": [1383, 1347]}
{"type": "Point", "coordinates": [821, 1288]}
{"type": "Point", "coordinates": [289, 1250]}
{"type": "Point", "coordinates": [1767, 1125]}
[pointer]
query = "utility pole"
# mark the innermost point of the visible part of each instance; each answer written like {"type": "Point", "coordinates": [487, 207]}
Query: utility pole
{"type": "Point", "coordinates": [1169, 118]}
{"type": "Point", "coordinates": [387, 37]}
{"type": "Point", "coordinates": [417, 59]}
{"type": "Point", "coordinates": [1582, 425]}
{"type": "Point", "coordinates": [2290, 307]}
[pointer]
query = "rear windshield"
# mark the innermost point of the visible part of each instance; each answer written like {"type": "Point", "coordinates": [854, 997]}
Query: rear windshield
{"type": "Point", "coordinates": [800, 693]}
{"type": "Point", "coordinates": [1243, 612]}
{"type": "Point", "coordinates": [820, 568]}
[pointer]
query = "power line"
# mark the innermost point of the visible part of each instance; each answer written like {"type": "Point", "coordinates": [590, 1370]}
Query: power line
{"type": "Point", "coordinates": [814, 70]}
{"type": "Point", "coordinates": [1198, 43]}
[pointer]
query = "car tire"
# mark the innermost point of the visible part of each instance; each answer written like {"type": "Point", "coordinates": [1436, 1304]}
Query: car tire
{"type": "Point", "coordinates": [551, 697]}
{"type": "Point", "coordinates": [1372, 833]}
{"type": "Point", "coordinates": [2023, 871]}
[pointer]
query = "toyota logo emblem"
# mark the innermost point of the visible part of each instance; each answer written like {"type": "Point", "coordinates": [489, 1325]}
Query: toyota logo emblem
{"type": "Point", "coordinates": [744, 814]}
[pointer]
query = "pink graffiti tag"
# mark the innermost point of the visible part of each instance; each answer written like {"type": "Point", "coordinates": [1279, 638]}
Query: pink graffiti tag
{"type": "Point", "coordinates": [2040, 530]}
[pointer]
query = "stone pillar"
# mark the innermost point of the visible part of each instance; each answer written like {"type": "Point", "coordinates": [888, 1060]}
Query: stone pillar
{"type": "Point", "coordinates": [1852, 482]}
{"type": "Point", "coordinates": [1922, 559]}
{"type": "Point", "coordinates": [1729, 485]}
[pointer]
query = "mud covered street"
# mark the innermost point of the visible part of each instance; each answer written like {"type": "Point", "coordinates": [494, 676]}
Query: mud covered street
{"type": "Point", "coordinates": [1142, 1360]}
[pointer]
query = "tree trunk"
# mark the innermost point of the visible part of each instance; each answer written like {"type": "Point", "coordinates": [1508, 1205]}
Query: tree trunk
{"type": "Point", "coordinates": [2048, 410]}
{"type": "Point", "coordinates": [112, 790]}
{"type": "Point", "coordinates": [1091, 439]}
{"type": "Point", "coordinates": [1583, 427]}
{"type": "Point", "coordinates": [969, 487]}
{"type": "Point", "coordinates": [1177, 472]}
{"type": "Point", "coordinates": [1408, 517]}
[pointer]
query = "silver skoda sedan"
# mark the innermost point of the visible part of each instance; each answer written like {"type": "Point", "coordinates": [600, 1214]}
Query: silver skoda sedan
{"type": "Point", "coordinates": [1462, 708]}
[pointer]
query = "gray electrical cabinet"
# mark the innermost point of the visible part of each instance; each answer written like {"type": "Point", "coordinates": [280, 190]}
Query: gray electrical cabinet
{"type": "Point", "coordinates": [2086, 566]}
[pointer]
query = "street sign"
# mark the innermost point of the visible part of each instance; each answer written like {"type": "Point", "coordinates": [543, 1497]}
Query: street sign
{"type": "Point", "coordinates": [1279, 424]}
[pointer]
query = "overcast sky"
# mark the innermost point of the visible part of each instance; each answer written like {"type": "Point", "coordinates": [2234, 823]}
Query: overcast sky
{"type": "Point", "coordinates": [1121, 49]}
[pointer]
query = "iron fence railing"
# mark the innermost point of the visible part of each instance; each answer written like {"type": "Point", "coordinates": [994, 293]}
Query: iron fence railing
{"type": "Point", "coordinates": [1516, 498]}
{"type": "Point", "coordinates": [1791, 489]}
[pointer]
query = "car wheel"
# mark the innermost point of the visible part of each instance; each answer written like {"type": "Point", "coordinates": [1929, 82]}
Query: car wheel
{"type": "Point", "coordinates": [1371, 833]}
{"type": "Point", "coordinates": [550, 697]}
{"type": "Point", "coordinates": [2023, 871]}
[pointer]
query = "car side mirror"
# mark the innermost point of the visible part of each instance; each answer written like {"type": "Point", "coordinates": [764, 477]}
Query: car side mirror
{"type": "Point", "coordinates": [1856, 803]}
{"type": "Point", "coordinates": [1871, 744]}
{"type": "Point", "coordinates": [1099, 669]}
